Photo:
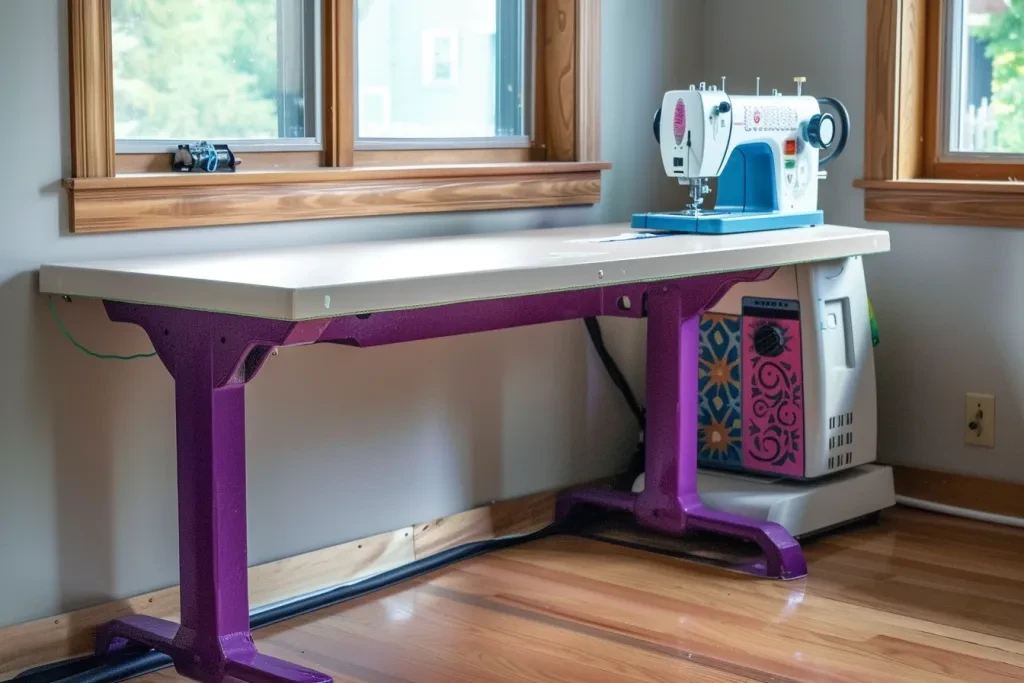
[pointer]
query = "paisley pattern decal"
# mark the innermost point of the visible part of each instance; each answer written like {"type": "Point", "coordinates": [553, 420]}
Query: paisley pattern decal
{"type": "Point", "coordinates": [773, 396]}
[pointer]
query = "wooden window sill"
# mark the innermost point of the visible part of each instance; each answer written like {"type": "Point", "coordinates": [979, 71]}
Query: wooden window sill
{"type": "Point", "coordinates": [952, 202]}
{"type": "Point", "coordinates": [178, 200]}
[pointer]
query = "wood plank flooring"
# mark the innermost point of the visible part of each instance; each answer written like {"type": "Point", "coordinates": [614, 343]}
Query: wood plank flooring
{"type": "Point", "coordinates": [918, 597]}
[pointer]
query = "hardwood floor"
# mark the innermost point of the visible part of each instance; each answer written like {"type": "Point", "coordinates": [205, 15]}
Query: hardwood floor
{"type": "Point", "coordinates": [919, 597]}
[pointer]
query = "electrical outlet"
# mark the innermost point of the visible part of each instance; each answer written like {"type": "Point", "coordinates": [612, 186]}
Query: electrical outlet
{"type": "Point", "coordinates": [980, 420]}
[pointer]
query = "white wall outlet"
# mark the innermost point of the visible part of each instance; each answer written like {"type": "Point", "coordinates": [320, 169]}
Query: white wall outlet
{"type": "Point", "coordinates": [980, 420]}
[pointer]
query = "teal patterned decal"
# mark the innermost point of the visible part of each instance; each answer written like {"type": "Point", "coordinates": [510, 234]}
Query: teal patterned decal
{"type": "Point", "coordinates": [720, 422]}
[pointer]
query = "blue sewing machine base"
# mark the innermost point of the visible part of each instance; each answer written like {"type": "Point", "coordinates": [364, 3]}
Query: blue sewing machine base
{"type": "Point", "coordinates": [725, 222]}
{"type": "Point", "coordinates": [747, 201]}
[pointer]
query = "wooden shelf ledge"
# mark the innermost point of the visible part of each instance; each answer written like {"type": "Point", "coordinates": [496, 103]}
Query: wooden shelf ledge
{"type": "Point", "coordinates": [177, 200]}
{"type": "Point", "coordinates": [948, 202]}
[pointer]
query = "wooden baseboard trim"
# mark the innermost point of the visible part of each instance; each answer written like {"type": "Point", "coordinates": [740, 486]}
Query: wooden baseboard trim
{"type": "Point", "coordinates": [500, 519]}
{"type": "Point", "coordinates": [958, 490]}
{"type": "Point", "coordinates": [31, 644]}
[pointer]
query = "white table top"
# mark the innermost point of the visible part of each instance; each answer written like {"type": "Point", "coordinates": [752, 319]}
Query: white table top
{"type": "Point", "coordinates": [342, 279]}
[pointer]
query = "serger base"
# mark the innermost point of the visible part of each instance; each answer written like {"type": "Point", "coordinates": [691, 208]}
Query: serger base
{"type": "Point", "coordinates": [726, 222]}
{"type": "Point", "coordinates": [801, 507]}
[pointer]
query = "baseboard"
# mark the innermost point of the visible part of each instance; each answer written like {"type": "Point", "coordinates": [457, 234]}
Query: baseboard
{"type": "Point", "coordinates": [958, 490]}
{"type": "Point", "coordinates": [34, 643]}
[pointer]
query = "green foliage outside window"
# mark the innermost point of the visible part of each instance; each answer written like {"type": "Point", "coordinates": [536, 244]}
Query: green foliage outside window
{"type": "Point", "coordinates": [1004, 38]}
{"type": "Point", "coordinates": [192, 69]}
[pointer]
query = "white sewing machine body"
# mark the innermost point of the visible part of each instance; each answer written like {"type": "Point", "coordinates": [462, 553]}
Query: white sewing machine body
{"type": "Point", "coordinates": [709, 138]}
{"type": "Point", "coordinates": [764, 151]}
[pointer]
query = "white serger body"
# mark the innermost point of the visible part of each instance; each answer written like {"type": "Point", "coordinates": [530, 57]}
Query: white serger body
{"type": "Point", "coordinates": [835, 482]}
{"type": "Point", "coordinates": [840, 428]}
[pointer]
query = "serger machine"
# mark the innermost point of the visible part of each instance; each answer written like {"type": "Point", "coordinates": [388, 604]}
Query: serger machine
{"type": "Point", "coordinates": [764, 151]}
{"type": "Point", "coordinates": [787, 420]}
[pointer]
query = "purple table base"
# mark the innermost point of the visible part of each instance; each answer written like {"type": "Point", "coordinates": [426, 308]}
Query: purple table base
{"type": "Point", "coordinates": [233, 656]}
{"type": "Point", "coordinates": [669, 502]}
{"type": "Point", "coordinates": [211, 357]}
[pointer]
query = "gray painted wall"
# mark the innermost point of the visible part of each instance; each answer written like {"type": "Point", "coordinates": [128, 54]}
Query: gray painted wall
{"type": "Point", "coordinates": [940, 339]}
{"type": "Point", "coordinates": [342, 442]}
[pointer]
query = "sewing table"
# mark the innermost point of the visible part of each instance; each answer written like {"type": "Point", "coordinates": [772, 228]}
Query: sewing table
{"type": "Point", "coordinates": [214, 319]}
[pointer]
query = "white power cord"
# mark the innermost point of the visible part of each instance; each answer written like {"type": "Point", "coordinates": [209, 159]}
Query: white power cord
{"type": "Point", "coordinates": [960, 512]}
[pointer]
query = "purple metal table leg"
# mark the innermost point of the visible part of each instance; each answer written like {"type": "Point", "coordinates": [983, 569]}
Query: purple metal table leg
{"type": "Point", "coordinates": [669, 502]}
{"type": "Point", "coordinates": [213, 641]}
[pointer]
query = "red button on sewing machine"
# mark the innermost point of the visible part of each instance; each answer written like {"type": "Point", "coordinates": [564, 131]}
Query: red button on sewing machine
{"type": "Point", "coordinates": [790, 147]}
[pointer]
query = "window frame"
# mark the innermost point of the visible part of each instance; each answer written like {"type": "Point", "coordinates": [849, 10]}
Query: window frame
{"type": "Point", "coordinates": [110, 191]}
{"type": "Point", "coordinates": [908, 176]}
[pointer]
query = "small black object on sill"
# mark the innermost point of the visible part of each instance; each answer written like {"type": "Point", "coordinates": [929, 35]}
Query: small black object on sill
{"type": "Point", "coordinates": [204, 157]}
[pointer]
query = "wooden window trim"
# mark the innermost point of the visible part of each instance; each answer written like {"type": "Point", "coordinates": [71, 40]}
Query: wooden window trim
{"type": "Point", "coordinates": [174, 200]}
{"type": "Point", "coordinates": [905, 178]}
{"type": "Point", "coordinates": [120, 192]}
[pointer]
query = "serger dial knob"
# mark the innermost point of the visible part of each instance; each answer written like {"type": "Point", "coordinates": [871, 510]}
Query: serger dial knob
{"type": "Point", "coordinates": [821, 130]}
{"type": "Point", "coordinates": [769, 340]}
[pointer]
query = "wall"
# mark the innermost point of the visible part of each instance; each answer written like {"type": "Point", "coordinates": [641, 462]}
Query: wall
{"type": "Point", "coordinates": [946, 298]}
{"type": "Point", "coordinates": [342, 442]}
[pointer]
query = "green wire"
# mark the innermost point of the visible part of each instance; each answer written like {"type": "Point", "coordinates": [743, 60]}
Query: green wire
{"type": "Point", "coordinates": [101, 356]}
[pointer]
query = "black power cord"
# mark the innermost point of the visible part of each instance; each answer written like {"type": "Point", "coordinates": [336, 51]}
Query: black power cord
{"type": "Point", "coordinates": [597, 338]}
{"type": "Point", "coordinates": [636, 466]}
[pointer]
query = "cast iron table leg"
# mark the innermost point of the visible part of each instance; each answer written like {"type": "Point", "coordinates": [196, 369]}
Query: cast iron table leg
{"type": "Point", "coordinates": [213, 641]}
{"type": "Point", "coordinates": [669, 502]}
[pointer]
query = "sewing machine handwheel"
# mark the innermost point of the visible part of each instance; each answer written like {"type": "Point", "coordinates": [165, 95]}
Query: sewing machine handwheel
{"type": "Point", "coordinates": [821, 131]}
{"type": "Point", "coordinates": [657, 126]}
{"type": "Point", "coordinates": [844, 137]}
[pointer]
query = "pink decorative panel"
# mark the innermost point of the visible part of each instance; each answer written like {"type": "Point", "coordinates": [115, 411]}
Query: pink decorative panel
{"type": "Point", "coordinates": [773, 392]}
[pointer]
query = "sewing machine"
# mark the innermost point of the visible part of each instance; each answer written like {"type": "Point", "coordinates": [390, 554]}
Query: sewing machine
{"type": "Point", "coordinates": [764, 152]}
{"type": "Point", "coordinates": [787, 424]}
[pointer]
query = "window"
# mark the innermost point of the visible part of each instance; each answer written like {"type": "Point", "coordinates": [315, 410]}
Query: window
{"type": "Point", "coordinates": [984, 71]}
{"type": "Point", "coordinates": [440, 59]}
{"type": "Point", "coordinates": [945, 104]}
{"type": "Point", "coordinates": [454, 72]}
{"type": "Point", "coordinates": [175, 82]}
{"type": "Point", "coordinates": [335, 108]}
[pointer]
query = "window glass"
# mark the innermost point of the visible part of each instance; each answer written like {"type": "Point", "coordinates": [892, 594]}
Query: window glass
{"type": "Point", "coordinates": [986, 76]}
{"type": "Point", "coordinates": [430, 69]}
{"type": "Point", "coordinates": [214, 69]}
